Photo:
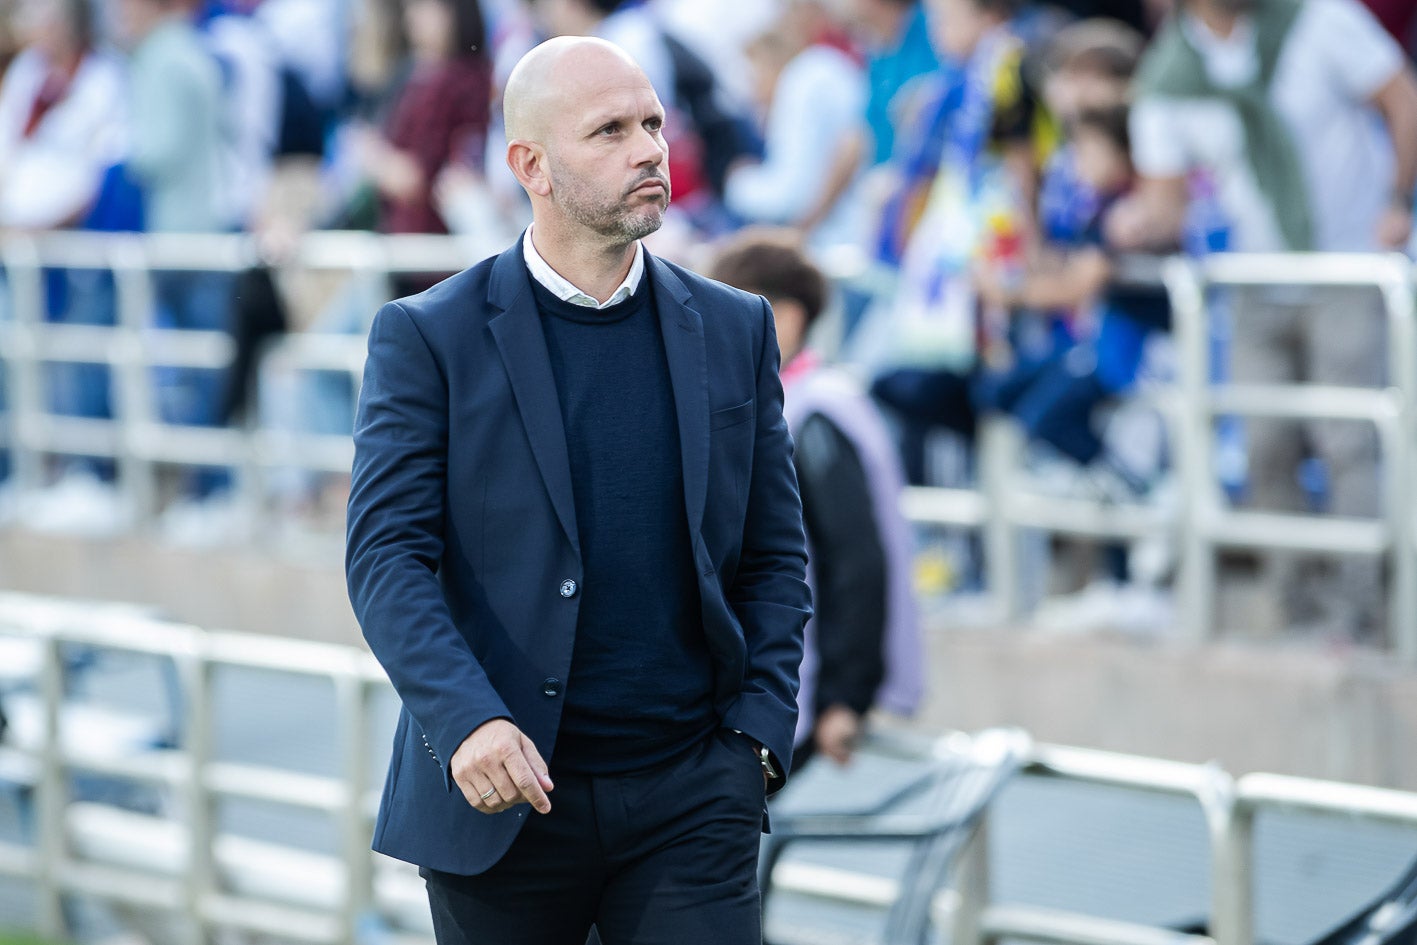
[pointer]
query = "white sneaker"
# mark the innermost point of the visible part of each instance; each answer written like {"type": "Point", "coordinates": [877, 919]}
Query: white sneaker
{"type": "Point", "coordinates": [78, 504]}
{"type": "Point", "coordinates": [219, 519]}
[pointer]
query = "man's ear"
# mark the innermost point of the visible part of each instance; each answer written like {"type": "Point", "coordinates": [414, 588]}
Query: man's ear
{"type": "Point", "coordinates": [527, 161]}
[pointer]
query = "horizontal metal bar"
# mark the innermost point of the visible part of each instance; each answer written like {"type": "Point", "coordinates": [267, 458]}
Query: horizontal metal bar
{"type": "Point", "coordinates": [318, 351]}
{"type": "Point", "coordinates": [1303, 269]}
{"type": "Point", "coordinates": [1034, 924]}
{"type": "Point", "coordinates": [93, 344]}
{"type": "Point", "coordinates": [167, 767]}
{"type": "Point", "coordinates": [1306, 402]}
{"type": "Point", "coordinates": [74, 436]}
{"type": "Point", "coordinates": [201, 446]}
{"type": "Point", "coordinates": [407, 938]}
{"type": "Point", "coordinates": [282, 654]}
{"type": "Point", "coordinates": [826, 882]}
{"type": "Point", "coordinates": [938, 506]}
{"type": "Point", "coordinates": [1083, 517]}
{"type": "Point", "coordinates": [18, 861]}
{"type": "Point", "coordinates": [1318, 533]}
{"type": "Point", "coordinates": [183, 348]}
{"type": "Point", "coordinates": [280, 922]}
{"type": "Point", "coordinates": [275, 786]}
{"type": "Point", "coordinates": [122, 884]}
{"type": "Point", "coordinates": [200, 252]}
{"type": "Point", "coordinates": [1255, 791]}
{"type": "Point", "coordinates": [1125, 771]}
{"type": "Point", "coordinates": [329, 453]}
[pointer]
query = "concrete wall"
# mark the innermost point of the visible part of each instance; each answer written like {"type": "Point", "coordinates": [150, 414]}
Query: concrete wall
{"type": "Point", "coordinates": [240, 589]}
{"type": "Point", "coordinates": [1348, 715]}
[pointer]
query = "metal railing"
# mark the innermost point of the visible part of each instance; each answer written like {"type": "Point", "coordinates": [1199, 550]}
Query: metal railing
{"type": "Point", "coordinates": [191, 889]}
{"type": "Point", "coordinates": [333, 893]}
{"type": "Point", "coordinates": [1003, 506]}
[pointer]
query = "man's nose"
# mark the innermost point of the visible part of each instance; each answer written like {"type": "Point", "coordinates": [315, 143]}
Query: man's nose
{"type": "Point", "coordinates": [649, 148]}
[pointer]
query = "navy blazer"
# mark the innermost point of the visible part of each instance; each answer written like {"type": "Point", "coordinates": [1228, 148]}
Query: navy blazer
{"type": "Point", "coordinates": [462, 531]}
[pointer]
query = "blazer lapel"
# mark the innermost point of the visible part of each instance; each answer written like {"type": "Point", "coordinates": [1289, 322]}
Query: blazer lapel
{"type": "Point", "coordinates": [522, 345]}
{"type": "Point", "coordinates": [683, 331]}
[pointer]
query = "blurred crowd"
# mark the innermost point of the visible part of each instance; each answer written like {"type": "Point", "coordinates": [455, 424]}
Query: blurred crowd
{"type": "Point", "coordinates": [968, 171]}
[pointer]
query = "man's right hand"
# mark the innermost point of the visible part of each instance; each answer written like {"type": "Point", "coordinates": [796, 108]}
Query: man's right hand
{"type": "Point", "coordinates": [497, 756]}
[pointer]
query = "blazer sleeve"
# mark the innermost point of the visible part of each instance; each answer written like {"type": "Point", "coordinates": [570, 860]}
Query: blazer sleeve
{"type": "Point", "coordinates": [769, 592]}
{"type": "Point", "coordinates": [395, 539]}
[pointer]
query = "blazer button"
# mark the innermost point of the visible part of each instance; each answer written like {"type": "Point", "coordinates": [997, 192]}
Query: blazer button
{"type": "Point", "coordinates": [568, 588]}
{"type": "Point", "coordinates": [551, 687]}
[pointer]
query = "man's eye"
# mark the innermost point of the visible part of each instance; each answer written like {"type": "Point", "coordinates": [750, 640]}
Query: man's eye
{"type": "Point", "coordinates": [608, 130]}
{"type": "Point", "coordinates": [654, 124]}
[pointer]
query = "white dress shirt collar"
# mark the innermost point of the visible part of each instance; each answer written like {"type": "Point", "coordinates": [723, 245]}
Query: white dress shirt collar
{"type": "Point", "coordinates": [560, 287]}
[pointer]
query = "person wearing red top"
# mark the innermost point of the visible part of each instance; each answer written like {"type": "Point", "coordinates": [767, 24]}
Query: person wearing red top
{"type": "Point", "coordinates": [439, 118]}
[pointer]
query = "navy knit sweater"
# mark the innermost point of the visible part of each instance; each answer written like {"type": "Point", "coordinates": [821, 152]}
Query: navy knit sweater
{"type": "Point", "coordinates": [641, 676]}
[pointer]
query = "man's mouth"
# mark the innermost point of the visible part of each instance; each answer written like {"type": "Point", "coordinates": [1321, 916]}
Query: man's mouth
{"type": "Point", "coordinates": [654, 183]}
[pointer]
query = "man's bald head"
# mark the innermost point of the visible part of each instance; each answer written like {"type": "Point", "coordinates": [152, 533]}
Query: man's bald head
{"type": "Point", "coordinates": [548, 72]}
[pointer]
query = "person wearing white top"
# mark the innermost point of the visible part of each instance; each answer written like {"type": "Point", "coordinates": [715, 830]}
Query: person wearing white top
{"type": "Point", "coordinates": [61, 118]}
{"type": "Point", "coordinates": [813, 96]}
{"type": "Point", "coordinates": [1344, 98]}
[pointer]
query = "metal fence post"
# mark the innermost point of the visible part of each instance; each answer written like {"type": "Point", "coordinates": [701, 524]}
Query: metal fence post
{"type": "Point", "coordinates": [1232, 880]}
{"type": "Point", "coordinates": [1400, 465]}
{"type": "Point", "coordinates": [352, 696]}
{"type": "Point", "coordinates": [1196, 569]}
{"type": "Point", "coordinates": [999, 448]}
{"type": "Point", "coordinates": [197, 671]}
{"type": "Point", "coordinates": [24, 374]}
{"type": "Point", "coordinates": [972, 886]}
{"type": "Point", "coordinates": [52, 790]}
{"type": "Point", "coordinates": [133, 388]}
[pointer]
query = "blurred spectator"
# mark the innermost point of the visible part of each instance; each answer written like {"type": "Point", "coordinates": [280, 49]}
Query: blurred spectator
{"type": "Point", "coordinates": [434, 126]}
{"type": "Point", "coordinates": [439, 116]}
{"type": "Point", "coordinates": [310, 41]}
{"type": "Point", "coordinates": [1132, 13]}
{"type": "Point", "coordinates": [1054, 399]}
{"type": "Point", "coordinates": [252, 98]}
{"type": "Point", "coordinates": [968, 186]}
{"type": "Point", "coordinates": [61, 125]}
{"type": "Point", "coordinates": [175, 148]}
{"type": "Point", "coordinates": [378, 50]}
{"type": "Point", "coordinates": [899, 62]}
{"type": "Point", "coordinates": [1279, 104]}
{"type": "Point", "coordinates": [719, 31]}
{"type": "Point", "coordinates": [811, 95]}
{"type": "Point", "coordinates": [863, 646]}
{"type": "Point", "coordinates": [899, 53]}
{"type": "Point", "coordinates": [176, 156]}
{"type": "Point", "coordinates": [61, 117]}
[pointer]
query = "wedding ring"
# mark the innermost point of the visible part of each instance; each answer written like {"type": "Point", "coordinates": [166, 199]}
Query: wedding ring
{"type": "Point", "coordinates": [490, 792]}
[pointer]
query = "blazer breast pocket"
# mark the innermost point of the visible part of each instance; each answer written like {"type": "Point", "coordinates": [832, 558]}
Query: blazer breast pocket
{"type": "Point", "coordinates": [730, 416]}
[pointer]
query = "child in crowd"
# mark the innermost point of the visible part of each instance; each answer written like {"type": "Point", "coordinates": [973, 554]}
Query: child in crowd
{"type": "Point", "coordinates": [1055, 399]}
{"type": "Point", "coordinates": [974, 158]}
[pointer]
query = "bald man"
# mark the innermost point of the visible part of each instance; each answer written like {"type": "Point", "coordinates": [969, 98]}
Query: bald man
{"type": "Point", "coordinates": [575, 543]}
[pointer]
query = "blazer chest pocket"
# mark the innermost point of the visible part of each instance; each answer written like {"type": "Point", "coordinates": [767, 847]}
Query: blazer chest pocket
{"type": "Point", "coordinates": [730, 416]}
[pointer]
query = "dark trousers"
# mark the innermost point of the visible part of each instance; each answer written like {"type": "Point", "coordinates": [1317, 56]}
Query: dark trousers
{"type": "Point", "coordinates": [667, 856]}
{"type": "Point", "coordinates": [921, 401]}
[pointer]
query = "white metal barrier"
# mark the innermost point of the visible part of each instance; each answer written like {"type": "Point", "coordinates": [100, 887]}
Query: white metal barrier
{"type": "Point", "coordinates": [1002, 506]}
{"type": "Point", "coordinates": [184, 868]}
